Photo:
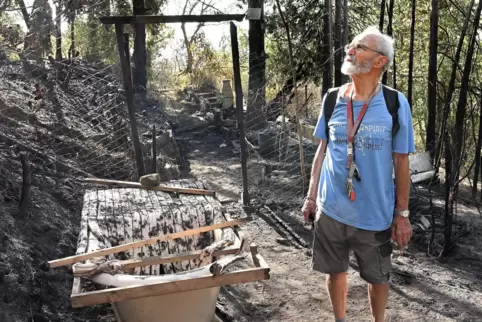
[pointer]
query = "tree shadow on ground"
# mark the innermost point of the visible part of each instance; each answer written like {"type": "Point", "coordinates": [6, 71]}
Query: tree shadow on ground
{"type": "Point", "coordinates": [428, 302]}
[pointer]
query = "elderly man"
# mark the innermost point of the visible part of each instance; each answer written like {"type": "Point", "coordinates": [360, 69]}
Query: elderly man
{"type": "Point", "coordinates": [351, 196]}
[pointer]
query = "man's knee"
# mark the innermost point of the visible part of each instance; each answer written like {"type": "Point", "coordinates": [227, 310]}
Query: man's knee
{"type": "Point", "coordinates": [336, 276]}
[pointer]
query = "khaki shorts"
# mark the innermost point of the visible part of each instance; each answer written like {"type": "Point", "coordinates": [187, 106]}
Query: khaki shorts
{"type": "Point", "coordinates": [334, 240]}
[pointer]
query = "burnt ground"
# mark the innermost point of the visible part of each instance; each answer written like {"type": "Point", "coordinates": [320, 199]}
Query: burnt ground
{"type": "Point", "coordinates": [423, 288]}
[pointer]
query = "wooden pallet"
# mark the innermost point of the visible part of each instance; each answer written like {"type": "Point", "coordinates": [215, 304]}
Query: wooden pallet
{"type": "Point", "coordinates": [260, 271]}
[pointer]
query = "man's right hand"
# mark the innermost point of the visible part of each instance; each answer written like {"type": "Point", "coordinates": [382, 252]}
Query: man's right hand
{"type": "Point", "coordinates": [309, 209]}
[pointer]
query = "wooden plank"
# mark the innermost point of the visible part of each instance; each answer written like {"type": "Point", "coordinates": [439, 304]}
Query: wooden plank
{"type": "Point", "coordinates": [77, 285]}
{"type": "Point", "coordinates": [129, 184]}
{"type": "Point", "coordinates": [141, 243]}
{"type": "Point", "coordinates": [134, 263]}
{"type": "Point", "coordinates": [258, 260]}
{"type": "Point", "coordinates": [170, 19]}
{"type": "Point", "coordinates": [139, 291]}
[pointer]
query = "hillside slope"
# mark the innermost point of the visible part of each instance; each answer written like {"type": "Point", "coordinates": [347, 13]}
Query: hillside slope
{"type": "Point", "coordinates": [70, 121]}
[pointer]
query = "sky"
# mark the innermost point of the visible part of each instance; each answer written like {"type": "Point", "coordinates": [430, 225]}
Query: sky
{"type": "Point", "coordinates": [214, 31]}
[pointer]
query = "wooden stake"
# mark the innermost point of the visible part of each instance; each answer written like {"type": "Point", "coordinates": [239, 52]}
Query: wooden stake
{"type": "Point", "coordinates": [239, 107]}
{"type": "Point", "coordinates": [129, 184]}
{"type": "Point", "coordinates": [122, 43]}
{"type": "Point", "coordinates": [154, 152]}
{"type": "Point", "coordinates": [154, 240]}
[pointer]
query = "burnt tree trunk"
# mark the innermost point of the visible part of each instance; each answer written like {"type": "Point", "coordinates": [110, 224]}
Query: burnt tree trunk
{"type": "Point", "coordinates": [58, 30]}
{"type": "Point", "coordinates": [390, 33]}
{"type": "Point", "coordinates": [451, 86]}
{"type": "Point", "coordinates": [410, 57]}
{"type": "Point", "coordinates": [478, 159]}
{"type": "Point", "coordinates": [72, 35]}
{"type": "Point", "coordinates": [338, 43]}
{"type": "Point", "coordinates": [432, 81]}
{"type": "Point", "coordinates": [140, 51]}
{"type": "Point", "coordinates": [327, 49]}
{"type": "Point", "coordinates": [345, 32]}
{"type": "Point", "coordinates": [25, 15]}
{"type": "Point", "coordinates": [382, 14]}
{"type": "Point", "coordinates": [449, 197]}
{"type": "Point", "coordinates": [389, 30]}
{"type": "Point", "coordinates": [255, 117]}
{"type": "Point", "coordinates": [187, 44]}
{"type": "Point", "coordinates": [459, 141]}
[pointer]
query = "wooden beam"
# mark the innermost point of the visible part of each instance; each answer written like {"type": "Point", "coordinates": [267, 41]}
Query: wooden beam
{"type": "Point", "coordinates": [134, 263]}
{"type": "Point", "coordinates": [139, 291]}
{"type": "Point", "coordinates": [112, 250]}
{"type": "Point", "coordinates": [129, 184]}
{"type": "Point", "coordinates": [170, 19]}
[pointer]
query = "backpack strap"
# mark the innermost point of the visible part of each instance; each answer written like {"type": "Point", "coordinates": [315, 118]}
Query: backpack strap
{"type": "Point", "coordinates": [392, 102]}
{"type": "Point", "coordinates": [328, 108]}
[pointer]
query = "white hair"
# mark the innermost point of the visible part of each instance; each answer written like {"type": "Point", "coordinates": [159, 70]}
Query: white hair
{"type": "Point", "coordinates": [385, 44]}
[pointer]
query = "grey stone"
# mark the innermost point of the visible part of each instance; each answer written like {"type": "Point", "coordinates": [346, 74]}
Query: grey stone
{"type": "Point", "coordinates": [10, 279]}
{"type": "Point", "coordinates": [152, 179]}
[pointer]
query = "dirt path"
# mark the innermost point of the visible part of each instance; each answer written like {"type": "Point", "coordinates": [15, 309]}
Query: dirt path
{"type": "Point", "coordinates": [422, 288]}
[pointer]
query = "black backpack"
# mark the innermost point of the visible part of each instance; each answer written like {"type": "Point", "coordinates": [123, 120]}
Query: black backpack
{"type": "Point", "coordinates": [391, 100]}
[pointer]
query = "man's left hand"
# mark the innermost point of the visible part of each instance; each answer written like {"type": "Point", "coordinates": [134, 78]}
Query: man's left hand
{"type": "Point", "coordinates": [401, 230]}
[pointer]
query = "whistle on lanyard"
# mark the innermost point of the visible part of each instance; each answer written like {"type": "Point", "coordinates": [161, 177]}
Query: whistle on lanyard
{"type": "Point", "coordinates": [352, 172]}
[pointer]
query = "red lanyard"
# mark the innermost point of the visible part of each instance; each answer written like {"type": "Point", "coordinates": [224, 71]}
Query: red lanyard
{"type": "Point", "coordinates": [352, 129]}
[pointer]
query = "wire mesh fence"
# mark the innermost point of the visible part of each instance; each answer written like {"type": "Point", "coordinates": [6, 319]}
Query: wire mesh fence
{"type": "Point", "coordinates": [279, 164]}
{"type": "Point", "coordinates": [67, 117]}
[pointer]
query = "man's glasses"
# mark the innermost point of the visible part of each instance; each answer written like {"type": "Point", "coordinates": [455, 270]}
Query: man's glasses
{"type": "Point", "coordinates": [360, 47]}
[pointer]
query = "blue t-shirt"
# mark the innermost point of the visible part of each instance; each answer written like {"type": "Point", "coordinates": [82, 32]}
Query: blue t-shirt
{"type": "Point", "coordinates": [374, 194]}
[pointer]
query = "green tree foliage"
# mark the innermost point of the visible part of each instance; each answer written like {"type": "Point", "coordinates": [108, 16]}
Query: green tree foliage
{"type": "Point", "coordinates": [305, 18]}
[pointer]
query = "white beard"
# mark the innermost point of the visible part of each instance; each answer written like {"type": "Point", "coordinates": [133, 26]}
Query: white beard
{"type": "Point", "coordinates": [352, 68]}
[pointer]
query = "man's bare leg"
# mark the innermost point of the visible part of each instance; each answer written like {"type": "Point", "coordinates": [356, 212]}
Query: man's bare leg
{"type": "Point", "coordinates": [378, 297]}
{"type": "Point", "coordinates": [337, 286]}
